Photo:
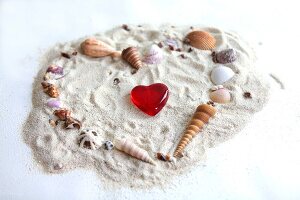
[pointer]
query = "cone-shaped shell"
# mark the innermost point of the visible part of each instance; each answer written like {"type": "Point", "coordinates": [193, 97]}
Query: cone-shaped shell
{"type": "Point", "coordinates": [200, 40]}
{"type": "Point", "coordinates": [220, 96]}
{"type": "Point", "coordinates": [133, 150]}
{"type": "Point", "coordinates": [200, 118]}
{"type": "Point", "coordinates": [132, 56]}
{"type": "Point", "coordinates": [96, 48]}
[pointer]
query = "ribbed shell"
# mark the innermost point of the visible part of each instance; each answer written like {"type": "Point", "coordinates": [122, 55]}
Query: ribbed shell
{"type": "Point", "coordinates": [96, 48]}
{"type": "Point", "coordinates": [132, 56]}
{"type": "Point", "coordinates": [133, 150]}
{"type": "Point", "coordinates": [201, 40]}
{"type": "Point", "coordinates": [200, 118]}
{"type": "Point", "coordinates": [220, 96]}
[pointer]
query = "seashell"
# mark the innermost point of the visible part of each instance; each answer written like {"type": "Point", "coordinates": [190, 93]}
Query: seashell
{"type": "Point", "coordinates": [221, 95]}
{"type": "Point", "coordinates": [71, 123]}
{"type": "Point", "coordinates": [216, 87]}
{"type": "Point", "coordinates": [96, 48]}
{"type": "Point", "coordinates": [225, 56]}
{"type": "Point", "coordinates": [154, 55]}
{"type": "Point", "coordinates": [221, 74]}
{"type": "Point", "coordinates": [131, 55]}
{"type": "Point", "coordinates": [108, 145]}
{"type": "Point", "coordinates": [62, 114]}
{"type": "Point", "coordinates": [133, 150]}
{"type": "Point", "coordinates": [166, 157]}
{"type": "Point", "coordinates": [88, 138]}
{"type": "Point", "coordinates": [50, 89]}
{"type": "Point", "coordinates": [200, 40]}
{"type": "Point", "coordinates": [55, 69]}
{"type": "Point", "coordinates": [53, 103]}
{"type": "Point", "coordinates": [171, 42]}
{"type": "Point", "coordinates": [200, 118]}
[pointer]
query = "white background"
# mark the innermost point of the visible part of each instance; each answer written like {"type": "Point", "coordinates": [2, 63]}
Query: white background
{"type": "Point", "coordinates": [262, 162]}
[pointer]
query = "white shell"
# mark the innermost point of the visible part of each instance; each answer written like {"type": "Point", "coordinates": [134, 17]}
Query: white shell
{"type": "Point", "coordinates": [153, 55]}
{"type": "Point", "coordinates": [216, 87]}
{"type": "Point", "coordinates": [91, 136]}
{"type": "Point", "coordinates": [221, 74]}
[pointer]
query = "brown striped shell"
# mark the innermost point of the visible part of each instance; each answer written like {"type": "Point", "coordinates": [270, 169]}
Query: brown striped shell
{"type": "Point", "coordinates": [202, 115]}
{"type": "Point", "coordinates": [132, 56]}
{"type": "Point", "coordinates": [200, 40]}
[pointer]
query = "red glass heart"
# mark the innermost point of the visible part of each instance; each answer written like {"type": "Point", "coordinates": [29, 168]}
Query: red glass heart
{"type": "Point", "coordinates": [150, 99]}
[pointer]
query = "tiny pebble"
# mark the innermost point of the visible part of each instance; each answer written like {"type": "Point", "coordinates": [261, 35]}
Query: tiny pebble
{"type": "Point", "coordinates": [247, 95]}
{"type": "Point", "coordinates": [190, 50]}
{"type": "Point", "coordinates": [116, 81]}
{"type": "Point", "coordinates": [63, 54]}
{"type": "Point", "coordinates": [182, 56]}
{"type": "Point", "coordinates": [160, 45]}
{"type": "Point", "coordinates": [125, 27]}
{"type": "Point", "coordinates": [108, 145]}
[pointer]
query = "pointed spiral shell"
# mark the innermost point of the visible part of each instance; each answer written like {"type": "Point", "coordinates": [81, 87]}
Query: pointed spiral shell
{"type": "Point", "coordinates": [133, 150]}
{"type": "Point", "coordinates": [200, 118]}
{"type": "Point", "coordinates": [132, 56]}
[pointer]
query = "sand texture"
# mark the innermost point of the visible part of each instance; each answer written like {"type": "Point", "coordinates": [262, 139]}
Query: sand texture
{"type": "Point", "coordinates": [90, 92]}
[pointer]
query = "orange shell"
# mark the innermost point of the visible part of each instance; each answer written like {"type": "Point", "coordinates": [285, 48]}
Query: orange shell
{"type": "Point", "coordinates": [201, 40]}
{"type": "Point", "coordinates": [132, 56]}
{"type": "Point", "coordinates": [96, 49]}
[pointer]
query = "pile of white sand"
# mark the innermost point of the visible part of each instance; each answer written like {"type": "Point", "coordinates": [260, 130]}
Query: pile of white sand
{"type": "Point", "coordinates": [88, 90]}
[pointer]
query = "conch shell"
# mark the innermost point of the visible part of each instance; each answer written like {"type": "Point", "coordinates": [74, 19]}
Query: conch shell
{"type": "Point", "coordinates": [200, 40]}
{"type": "Point", "coordinates": [96, 48]}
{"type": "Point", "coordinates": [50, 89]}
{"type": "Point", "coordinates": [133, 150]}
{"type": "Point", "coordinates": [132, 56]}
{"type": "Point", "coordinates": [200, 118]}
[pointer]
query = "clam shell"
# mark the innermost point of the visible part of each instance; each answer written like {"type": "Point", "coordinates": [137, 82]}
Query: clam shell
{"type": "Point", "coordinates": [53, 103]}
{"type": "Point", "coordinates": [221, 74]}
{"type": "Point", "coordinates": [225, 56]}
{"type": "Point", "coordinates": [132, 56]}
{"type": "Point", "coordinates": [153, 55]}
{"type": "Point", "coordinates": [220, 96]}
{"type": "Point", "coordinates": [200, 40]}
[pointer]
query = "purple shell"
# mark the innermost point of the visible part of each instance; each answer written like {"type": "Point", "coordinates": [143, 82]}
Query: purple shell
{"type": "Point", "coordinates": [171, 42]}
{"type": "Point", "coordinates": [225, 56]}
{"type": "Point", "coordinates": [53, 103]}
{"type": "Point", "coordinates": [55, 69]}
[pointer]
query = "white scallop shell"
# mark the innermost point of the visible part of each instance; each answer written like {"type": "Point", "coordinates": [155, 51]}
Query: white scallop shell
{"type": "Point", "coordinates": [221, 74]}
{"type": "Point", "coordinates": [153, 55]}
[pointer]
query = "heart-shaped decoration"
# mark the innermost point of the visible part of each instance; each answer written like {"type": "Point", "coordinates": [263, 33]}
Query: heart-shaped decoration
{"type": "Point", "coordinates": [150, 99]}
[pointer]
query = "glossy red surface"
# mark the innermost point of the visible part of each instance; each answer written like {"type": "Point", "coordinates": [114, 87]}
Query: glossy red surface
{"type": "Point", "coordinates": [150, 99]}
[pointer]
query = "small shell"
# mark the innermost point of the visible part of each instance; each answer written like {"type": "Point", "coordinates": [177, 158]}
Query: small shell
{"type": "Point", "coordinates": [166, 157]}
{"type": "Point", "coordinates": [96, 48]}
{"type": "Point", "coordinates": [225, 56]}
{"type": "Point", "coordinates": [220, 96]}
{"type": "Point", "coordinates": [132, 56]}
{"type": "Point", "coordinates": [108, 145]}
{"type": "Point", "coordinates": [62, 114]}
{"type": "Point", "coordinates": [89, 139]}
{"type": "Point", "coordinates": [221, 74]}
{"type": "Point", "coordinates": [50, 89]}
{"type": "Point", "coordinates": [53, 103]}
{"type": "Point", "coordinates": [171, 42]}
{"type": "Point", "coordinates": [154, 55]}
{"type": "Point", "coordinates": [71, 123]}
{"type": "Point", "coordinates": [55, 69]}
{"type": "Point", "coordinates": [200, 40]}
{"type": "Point", "coordinates": [216, 87]}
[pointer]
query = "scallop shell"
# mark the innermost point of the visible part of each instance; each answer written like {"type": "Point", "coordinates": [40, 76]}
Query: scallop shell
{"type": "Point", "coordinates": [221, 74]}
{"type": "Point", "coordinates": [200, 40]}
{"type": "Point", "coordinates": [153, 55]}
{"type": "Point", "coordinates": [225, 56]}
{"type": "Point", "coordinates": [133, 150]}
{"type": "Point", "coordinates": [96, 48]}
{"type": "Point", "coordinates": [221, 95]}
{"type": "Point", "coordinates": [202, 115]}
{"type": "Point", "coordinates": [132, 56]}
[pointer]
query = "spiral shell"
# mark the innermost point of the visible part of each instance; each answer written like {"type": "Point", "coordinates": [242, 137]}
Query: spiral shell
{"type": "Point", "coordinates": [132, 56]}
{"type": "Point", "coordinates": [200, 118]}
{"type": "Point", "coordinates": [225, 56]}
{"type": "Point", "coordinates": [133, 150]}
{"type": "Point", "coordinates": [50, 89]}
{"type": "Point", "coordinates": [153, 55]}
{"type": "Point", "coordinates": [200, 40]}
{"type": "Point", "coordinates": [96, 48]}
{"type": "Point", "coordinates": [62, 114]}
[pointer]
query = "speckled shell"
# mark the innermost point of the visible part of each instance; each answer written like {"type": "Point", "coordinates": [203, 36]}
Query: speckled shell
{"type": "Point", "coordinates": [221, 74]}
{"type": "Point", "coordinates": [133, 150]}
{"type": "Point", "coordinates": [153, 55]}
{"type": "Point", "coordinates": [132, 56]}
{"type": "Point", "coordinates": [96, 48]}
{"type": "Point", "coordinates": [50, 89]}
{"type": "Point", "coordinates": [200, 40]}
{"type": "Point", "coordinates": [221, 95]}
{"type": "Point", "coordinates": [202, 115]}
{"type": "Point", "coordinates": [225, 56]}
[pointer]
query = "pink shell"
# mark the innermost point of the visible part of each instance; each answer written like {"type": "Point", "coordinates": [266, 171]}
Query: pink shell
{"type": "Point", "coordinates": [153, 55]}
{"type": "Point", "coordinates": [220, 96]}
{"type": "Point", "coordinates": [52, 103]}
{"type": "Point", "coordinates": [55, 69]}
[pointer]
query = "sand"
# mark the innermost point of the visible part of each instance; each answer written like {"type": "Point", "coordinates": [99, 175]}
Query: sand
{"type": "Point", "coordinates": [88, 90]}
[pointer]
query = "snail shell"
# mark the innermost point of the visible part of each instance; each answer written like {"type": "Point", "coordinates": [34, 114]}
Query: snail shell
{"type": "Point", "coordinates": [132, 56]}
{"type": "Point", "coordinates": [200, 40]}
{"type": "Point", "coordinates": [96, 48]}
